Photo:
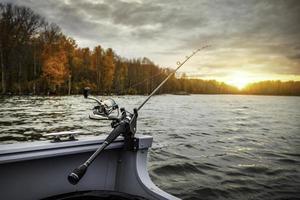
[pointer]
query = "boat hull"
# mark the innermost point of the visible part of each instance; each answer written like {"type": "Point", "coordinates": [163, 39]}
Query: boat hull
{"type": "Point", "coordinates": [39, 170]}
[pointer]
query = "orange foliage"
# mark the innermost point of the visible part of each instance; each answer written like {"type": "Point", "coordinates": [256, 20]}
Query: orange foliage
{"type": "Point", "coordinates": [55, 64]}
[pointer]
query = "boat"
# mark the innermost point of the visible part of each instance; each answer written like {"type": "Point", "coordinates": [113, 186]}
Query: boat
{"type": "Point", "coordinates": [39, 170]}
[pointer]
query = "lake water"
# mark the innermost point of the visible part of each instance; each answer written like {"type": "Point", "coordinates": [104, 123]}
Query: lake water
{"type": "Point", "coordinates": [205, 146]}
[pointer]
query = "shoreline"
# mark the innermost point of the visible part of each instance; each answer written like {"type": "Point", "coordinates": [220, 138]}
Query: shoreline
{"type": "Point", "coordinates": [175, 94]}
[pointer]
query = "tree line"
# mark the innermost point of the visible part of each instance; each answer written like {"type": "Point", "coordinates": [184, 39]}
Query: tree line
{"type": "Point", "coordinates": [37, 58]}
{"type": "Point", "coordinates": [288, 88]}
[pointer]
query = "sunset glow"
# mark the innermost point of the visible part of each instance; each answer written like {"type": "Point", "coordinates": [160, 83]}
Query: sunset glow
{"type": "Point", "coordinates": [239, 80]}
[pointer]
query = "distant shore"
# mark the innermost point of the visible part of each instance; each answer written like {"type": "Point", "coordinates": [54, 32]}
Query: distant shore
{"type": "Point", "coordinates": [175, 94]}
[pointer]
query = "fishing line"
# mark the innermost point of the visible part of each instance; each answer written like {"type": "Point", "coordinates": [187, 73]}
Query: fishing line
{"type": "Point", "coordinates": [172, 73]}
{"type": "Point", "coordinates": [139, 83]}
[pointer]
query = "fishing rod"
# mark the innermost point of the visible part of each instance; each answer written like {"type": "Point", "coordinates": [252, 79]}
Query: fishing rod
{"type": "Point", "coordinates": [124, 125]}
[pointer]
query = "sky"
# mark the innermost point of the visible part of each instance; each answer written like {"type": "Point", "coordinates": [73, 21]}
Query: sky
{"type": "Point", "coordinates": [250, 40]}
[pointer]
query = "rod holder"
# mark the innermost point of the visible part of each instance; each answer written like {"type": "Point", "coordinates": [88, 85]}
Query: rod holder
{"type": "Point", "coordinates": [86, 92]}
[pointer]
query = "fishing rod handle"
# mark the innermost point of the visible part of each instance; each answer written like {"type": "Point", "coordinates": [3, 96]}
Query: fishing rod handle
{"type": "Point", "coordinates": [118, 130]}
{"type": "Point", "coordinates": [75, 176]}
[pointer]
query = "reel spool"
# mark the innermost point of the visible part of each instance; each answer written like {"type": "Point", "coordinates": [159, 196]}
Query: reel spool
{"type": "Point", "coordinates": [106, 109]}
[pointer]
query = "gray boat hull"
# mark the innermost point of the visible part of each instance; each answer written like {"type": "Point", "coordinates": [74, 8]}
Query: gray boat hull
{"type": "Point", "coordinates": [39, 170]}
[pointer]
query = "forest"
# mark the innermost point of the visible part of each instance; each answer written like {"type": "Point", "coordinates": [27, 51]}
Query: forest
{"type": "Point", "coordinates": [37, 58]}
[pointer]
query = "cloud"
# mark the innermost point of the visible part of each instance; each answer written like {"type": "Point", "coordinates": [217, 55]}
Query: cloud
{"type": "Point", "coordinates": [261, 36]}
{"type": "Point", "coordinates": [296, 56]}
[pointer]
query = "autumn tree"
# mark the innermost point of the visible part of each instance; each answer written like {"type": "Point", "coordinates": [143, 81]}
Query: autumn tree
{"type": "Point", "coordinates": [120, 77]}
{"type": "Point", "coordinates": [69, 46]}
{"type": "Point", "coordinates": [55, 64]}
{"type": "Point", "coordinates": [57, 58]}
{"type": "Point", "coordinates": [108, 71]}
{"type": "Point", "coordinates": [97, 58]}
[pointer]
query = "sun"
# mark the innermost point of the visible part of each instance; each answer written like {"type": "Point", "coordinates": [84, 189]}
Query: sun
{"type": "Point", "coordinates": [239, 80]}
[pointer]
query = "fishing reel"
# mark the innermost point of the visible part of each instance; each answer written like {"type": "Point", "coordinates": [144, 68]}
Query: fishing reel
{"type": "Point", "coordinates": [106, 109]}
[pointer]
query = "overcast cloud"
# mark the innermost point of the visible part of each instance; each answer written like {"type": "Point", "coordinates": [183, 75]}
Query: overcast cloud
{"type": "Point", "coordinates": [255, 36]}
